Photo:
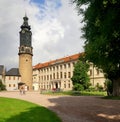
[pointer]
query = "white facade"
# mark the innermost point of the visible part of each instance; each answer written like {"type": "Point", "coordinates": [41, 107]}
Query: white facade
{"type": "Point", "coordinates": [96, 76]}
{"type": "Point", "coordinates": [55, 76]}
{"type": "Point", "coordinates": [11, 82]}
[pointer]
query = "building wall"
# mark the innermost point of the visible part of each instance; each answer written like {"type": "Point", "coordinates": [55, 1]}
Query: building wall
{"type": "Point", "coordinates": [11, 82]}
{"type": "Point", "coordinates": [55, 76]}
{"type": "Point", "coordinates": [59, 76]}
{"type": "Point", "coordinates": [25, 69]}
{"type": "Point", "coordinates": [96, 76]}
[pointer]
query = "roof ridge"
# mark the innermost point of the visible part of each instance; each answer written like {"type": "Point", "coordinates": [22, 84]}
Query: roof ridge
{"type": "Point", "coordinates": [56, 61]}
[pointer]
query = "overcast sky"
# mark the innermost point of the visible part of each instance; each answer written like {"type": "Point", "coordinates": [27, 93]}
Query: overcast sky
{"type": "Point", "coordinates": [55, 27]}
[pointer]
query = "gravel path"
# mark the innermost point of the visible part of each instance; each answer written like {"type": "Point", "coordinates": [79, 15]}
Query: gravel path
{"type": "Point", "coordinates": [74, 108]}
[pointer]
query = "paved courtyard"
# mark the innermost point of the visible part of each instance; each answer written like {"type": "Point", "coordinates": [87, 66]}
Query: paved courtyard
{"type": "Point", "coordinates": [74, 108]}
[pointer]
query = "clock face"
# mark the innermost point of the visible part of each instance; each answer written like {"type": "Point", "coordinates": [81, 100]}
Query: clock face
{"type": "Point", "coordinates": [23, 31]}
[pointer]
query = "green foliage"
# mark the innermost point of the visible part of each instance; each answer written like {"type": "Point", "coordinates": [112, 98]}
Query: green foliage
{"type": "Point", "coordinates": [102, 33]}
{"type": "Point", "coordinates": [80, 77]}
{"type": "Point", "coordinates": [79, 93]}
{"type": "Point", "coordinates": [78, 87]}
{"type": "Point", "coordinates": [2, 86]}
{"type": "Point", "coordinates": [99, 87]}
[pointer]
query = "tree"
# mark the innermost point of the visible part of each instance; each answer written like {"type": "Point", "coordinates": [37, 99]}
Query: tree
{"type": "Point", "coordinates": [80, 77]}
{"type": "Point", "coordinates": [109, 87]}
{"type": "Point", "coordinates": [2, 86]}
{"type": "Point", "coordinates": [102, 33]}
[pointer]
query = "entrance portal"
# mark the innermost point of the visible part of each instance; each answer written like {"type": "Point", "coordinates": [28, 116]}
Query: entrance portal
{"type": "Point", "coordinates": [56, 85]}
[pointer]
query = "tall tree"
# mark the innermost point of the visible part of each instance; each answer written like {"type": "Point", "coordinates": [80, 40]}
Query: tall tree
{"type": "Point", "coordinates": [80, 77]}
{"type": "Point", "coordinates": [102, 34]}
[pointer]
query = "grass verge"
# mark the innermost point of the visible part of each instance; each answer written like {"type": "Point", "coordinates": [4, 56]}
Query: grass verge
{"type": "Point", "coordinates": [14, 110]}
{"type": "Point", "coordinates": [77, 93]}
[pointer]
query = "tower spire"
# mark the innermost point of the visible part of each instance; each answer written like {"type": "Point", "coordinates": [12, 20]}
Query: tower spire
{"type": "Point", "coordinates": [25, 23]}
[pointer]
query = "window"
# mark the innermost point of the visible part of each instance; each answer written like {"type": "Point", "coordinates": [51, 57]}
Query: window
{"type": "Point", "coordinates": [69, 85]}
{"type": "Point", "coordinates": [47, 77]}
{"type": "Point", "coordinates": [97, 70]}
{"type": "Point", "coordinates": [57, 67]}
{"type": "Point", "coordinates": [60, 74]}
{"type": "Point", "coordinates": [73, 63]}
{"type": "Point", "coordinates": [69, 65]}
{"type": "Point", "coordinates": [90, 72]}
{"type": "Point", "coordinates": [13, 85]}
{"type": "Point", "coordinates": [53, 75]}
{"type": "Point", "coordinates": [64, 74]}
{"type": "Point", "coordinates": [60, 66]}
{"type": "Point", "coordinates": [9, 85]}
{"type": "Point", "coordinates": [50, 77]}
{"type": "Point", "coordinates": [9, 78]}
{"type": "Point", "coordinates": [69, 74]}
{"type": "Point", "coordinates": [44, 77]}
{"type": "Point", "coordinates": [65, 66]}
{"type": "Point", "coordinates": [64, 85]}
{"type": "Point", "coordinates": [57, 75]}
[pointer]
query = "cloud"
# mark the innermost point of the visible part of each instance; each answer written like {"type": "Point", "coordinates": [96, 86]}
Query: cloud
{"type": "Point", "coordinates": [55, 27]}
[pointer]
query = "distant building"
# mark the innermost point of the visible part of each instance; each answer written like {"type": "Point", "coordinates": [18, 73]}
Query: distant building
{"type": "Point", "coordinates": [12, 79]}
{"type": "Point", "coordinates": [57, 74]}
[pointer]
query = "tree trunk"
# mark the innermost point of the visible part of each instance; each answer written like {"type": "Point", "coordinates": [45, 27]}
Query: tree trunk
{"type": "Point", "coordinates": [116, 87]}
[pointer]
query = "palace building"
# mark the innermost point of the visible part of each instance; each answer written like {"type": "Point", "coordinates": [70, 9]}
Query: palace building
{"type": "Point", "coordinates": [57, 74]}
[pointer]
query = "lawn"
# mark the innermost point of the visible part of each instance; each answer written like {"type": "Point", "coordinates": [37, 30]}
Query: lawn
{"type": "Point", "coordinates": [78, 93]}
{"type": "Point", "coordinates": [14, 110]}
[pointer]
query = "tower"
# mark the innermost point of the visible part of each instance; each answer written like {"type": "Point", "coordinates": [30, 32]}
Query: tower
{"type": "Point", "coordinates": [25, 53]}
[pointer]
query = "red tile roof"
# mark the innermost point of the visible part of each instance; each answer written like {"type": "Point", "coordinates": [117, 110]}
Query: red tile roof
{"type": "Point", "coordinates": [57, 61]}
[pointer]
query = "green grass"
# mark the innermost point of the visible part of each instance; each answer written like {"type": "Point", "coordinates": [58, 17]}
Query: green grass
{"type": "Point", "coordinates": [76, 93]}
{"type": "Point", "coordinates": [14, 110]}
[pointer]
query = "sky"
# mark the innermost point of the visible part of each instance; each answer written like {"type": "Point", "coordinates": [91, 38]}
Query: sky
{"type": "Point", "coordinates": [55, 26]}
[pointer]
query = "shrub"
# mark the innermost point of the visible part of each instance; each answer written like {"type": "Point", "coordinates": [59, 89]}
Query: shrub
{"type": "Point", "coordinates": [2, 86]}
{"type": "Point", "coordinates": [78, 87]}
{"type": "Point", "coordinates": [99, 87]}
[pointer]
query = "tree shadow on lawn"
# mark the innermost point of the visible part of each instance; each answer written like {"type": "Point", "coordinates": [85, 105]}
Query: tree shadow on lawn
{"type": "Point", "coordinates": [34, 114]}
{"type": "Point", "coordinates": [86, 108]}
